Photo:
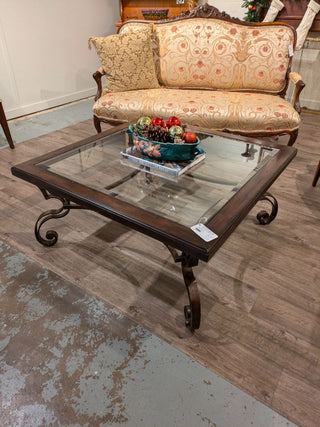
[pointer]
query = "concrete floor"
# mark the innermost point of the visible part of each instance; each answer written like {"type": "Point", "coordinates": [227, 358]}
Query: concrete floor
{"type": "Point", "coordinates": [68, 359]}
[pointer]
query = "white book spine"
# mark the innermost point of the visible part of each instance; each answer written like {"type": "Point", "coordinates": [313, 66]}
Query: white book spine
{"type": "Point", "coordinates": [151, 164]}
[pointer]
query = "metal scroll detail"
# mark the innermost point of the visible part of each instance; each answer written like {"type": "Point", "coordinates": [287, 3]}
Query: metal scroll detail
{"type": "Point", "coordinates": [192, 312]}
{"type": "Point", "coordinates": [263, 216]}
{"type": "Point", "coordinates": [51, 236]}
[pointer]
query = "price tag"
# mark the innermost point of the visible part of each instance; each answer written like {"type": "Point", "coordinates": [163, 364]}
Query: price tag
{"type": "Point", "coordinates": [204, 232]}
{"type": "Point", "coordinates": [290, 50]}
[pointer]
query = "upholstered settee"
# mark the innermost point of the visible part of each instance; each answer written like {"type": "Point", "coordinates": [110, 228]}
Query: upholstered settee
{"type": "Point", "coordinates": [212, 71]}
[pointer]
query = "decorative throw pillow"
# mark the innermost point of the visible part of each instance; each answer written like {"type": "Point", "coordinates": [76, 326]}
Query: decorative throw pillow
{"type": "Point", "coordinates": [127, 60]}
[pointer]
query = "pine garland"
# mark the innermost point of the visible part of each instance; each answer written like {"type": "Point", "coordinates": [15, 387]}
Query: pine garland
{"type": "Point", "coordinates": [253, 9]}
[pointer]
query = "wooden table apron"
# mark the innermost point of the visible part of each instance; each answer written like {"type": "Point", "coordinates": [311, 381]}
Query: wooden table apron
{"type": "Point", "coordinates": [174, 235]}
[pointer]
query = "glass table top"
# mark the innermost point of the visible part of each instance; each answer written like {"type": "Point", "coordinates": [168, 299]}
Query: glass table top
{"type": "Point", "coordinates": [196, 196]}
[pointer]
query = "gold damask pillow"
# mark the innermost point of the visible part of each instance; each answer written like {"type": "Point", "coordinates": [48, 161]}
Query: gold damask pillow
{"type": "Point", "coordinates": [127, 60]}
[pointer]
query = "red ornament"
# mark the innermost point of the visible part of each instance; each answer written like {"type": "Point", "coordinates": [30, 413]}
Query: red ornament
{"type": "Point", "coordinates": [254, 8]}
{"type": "Point", "coordinates": [190, 137]}
{"type": "Point", "coordinates": [173, 121]}
{"type": "Point", "coordinates": [158, 121]}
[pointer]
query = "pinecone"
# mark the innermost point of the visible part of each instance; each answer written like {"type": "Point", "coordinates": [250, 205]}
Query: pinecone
{"type": "Point", "coordinates": [141, 131]}
{"type": "Point", "coordinates": [156, 133]}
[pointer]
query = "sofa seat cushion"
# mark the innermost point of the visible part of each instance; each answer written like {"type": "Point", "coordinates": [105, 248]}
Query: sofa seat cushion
{"type": "Point", "coordinates": [219, 110]}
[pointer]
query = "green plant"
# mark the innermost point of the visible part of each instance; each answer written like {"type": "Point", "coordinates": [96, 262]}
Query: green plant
{"type": "Point", "coordinates": [254, 8]}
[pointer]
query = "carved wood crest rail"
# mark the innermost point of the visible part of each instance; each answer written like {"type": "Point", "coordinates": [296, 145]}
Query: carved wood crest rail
{"type": "Point", "coordinates": [204, 11]}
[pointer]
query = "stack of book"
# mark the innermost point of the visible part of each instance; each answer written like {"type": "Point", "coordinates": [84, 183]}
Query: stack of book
{"type": "Point", "coordinates": [170, 170]}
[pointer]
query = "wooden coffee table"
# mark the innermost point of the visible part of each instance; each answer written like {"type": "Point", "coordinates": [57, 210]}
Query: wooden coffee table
{"type": "Point", "coordinates": [218, 193]}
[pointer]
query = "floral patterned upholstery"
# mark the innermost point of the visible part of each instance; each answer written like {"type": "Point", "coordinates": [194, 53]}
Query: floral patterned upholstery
{"type": "Point", "coordinates": [214, 73]}
{"type": "Point", "coordinates": [216, 54]}
{"type": "Point", "coordinates": [220, 110]}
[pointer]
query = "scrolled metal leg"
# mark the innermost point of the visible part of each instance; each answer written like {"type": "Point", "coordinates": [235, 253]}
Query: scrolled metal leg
{"type": "Point", "coordinates": [263, 216]}
{"type": "Point", "coordinates": [51, 235]}
{"type": "Point", "coordinates": [192, 312]}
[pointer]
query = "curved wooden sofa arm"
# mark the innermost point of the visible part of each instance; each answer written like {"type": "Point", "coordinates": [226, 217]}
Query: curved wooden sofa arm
{"type": "Point", "coordinates": [97, 77]}
{"type": "Point", "coordinates": [299, 85]}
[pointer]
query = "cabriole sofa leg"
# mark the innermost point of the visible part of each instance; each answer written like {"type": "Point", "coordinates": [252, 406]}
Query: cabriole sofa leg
{"type": "Point", "coordinates": [293, 137]}
{"type": "Point", "coordinates": [97, 124]}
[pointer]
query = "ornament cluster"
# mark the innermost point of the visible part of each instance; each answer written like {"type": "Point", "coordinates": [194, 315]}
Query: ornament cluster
{"type": "Point", "coordinates": [156, 129]}
{"type": "Point", "coordinates": [254, 8]}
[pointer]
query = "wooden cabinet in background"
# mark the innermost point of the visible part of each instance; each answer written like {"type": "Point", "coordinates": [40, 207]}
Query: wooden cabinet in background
{"type": "Point", "coordinates": [293, 12]}
{"type": "Point", "coordinates": [131, 9]}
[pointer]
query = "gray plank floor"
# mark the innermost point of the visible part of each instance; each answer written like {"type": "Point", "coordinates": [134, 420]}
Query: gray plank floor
{"type": "Point", "coordinates": [34, 125]}
{"type": "Point", "coordinates": [165, 387]}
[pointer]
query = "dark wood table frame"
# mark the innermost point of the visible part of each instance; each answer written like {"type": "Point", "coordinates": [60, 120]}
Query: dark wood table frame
{"type": "Point", "coordinates": [185, 246]}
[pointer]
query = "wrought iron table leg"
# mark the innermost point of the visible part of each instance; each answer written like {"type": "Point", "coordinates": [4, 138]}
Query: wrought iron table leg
{"type": "Point", "coordinates": [263, 216]}
{"type": "Point", "coordinates": [51, 237]}
{"type": "Point", "coordinates": [192, 311]}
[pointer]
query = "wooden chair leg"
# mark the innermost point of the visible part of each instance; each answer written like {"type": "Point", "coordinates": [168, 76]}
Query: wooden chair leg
{"type": "Point", "coordinates": [316, 176]}
{"type": "Point", "coordinates": [5, 127]}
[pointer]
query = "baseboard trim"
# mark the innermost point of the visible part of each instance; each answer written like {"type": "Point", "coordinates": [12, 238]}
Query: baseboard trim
{"type": "Point", "coordinates": [309, 111]}
{"type": "Point", "coordinates": [14, 113]}
{"type": "Point", "coordinates": [310, 104]}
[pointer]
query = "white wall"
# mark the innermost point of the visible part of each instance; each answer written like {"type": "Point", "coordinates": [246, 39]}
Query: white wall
{"type": "Point", "coordinates": [307, 63]}
{"type": "Point", "coordinates": [232, 7]}
{"type": "Point", "coordinates": [44, 58]}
